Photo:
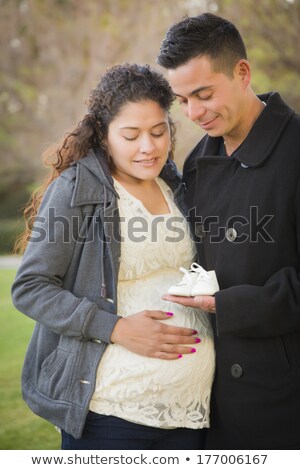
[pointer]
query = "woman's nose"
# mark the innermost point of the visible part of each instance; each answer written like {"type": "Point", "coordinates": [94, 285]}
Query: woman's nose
{"type": "Point", "coordinates": [147, 144]}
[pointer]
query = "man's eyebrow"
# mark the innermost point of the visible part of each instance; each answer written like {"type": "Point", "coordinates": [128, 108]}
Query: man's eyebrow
{"type": "Point", "coordinates": [197, 90]}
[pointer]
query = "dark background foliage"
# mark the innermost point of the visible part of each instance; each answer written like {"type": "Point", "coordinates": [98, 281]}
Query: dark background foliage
{"type": "Point", "coordinates": [53, 52]}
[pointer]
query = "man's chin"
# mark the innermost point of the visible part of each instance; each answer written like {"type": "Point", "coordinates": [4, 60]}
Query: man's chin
{"type": "Point", "coordinates": [212, 132]}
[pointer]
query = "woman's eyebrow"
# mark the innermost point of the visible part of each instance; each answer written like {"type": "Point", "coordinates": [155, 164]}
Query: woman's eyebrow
{"type": "Point", "coordinates": [136, 128]}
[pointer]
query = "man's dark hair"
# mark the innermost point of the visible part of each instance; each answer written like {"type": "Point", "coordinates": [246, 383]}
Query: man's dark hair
{"type": "Point", "coordinates": [204, 35]}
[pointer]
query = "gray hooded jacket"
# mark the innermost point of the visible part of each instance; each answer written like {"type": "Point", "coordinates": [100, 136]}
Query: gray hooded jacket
{"type": "Point", "coordinates": [67, 283]}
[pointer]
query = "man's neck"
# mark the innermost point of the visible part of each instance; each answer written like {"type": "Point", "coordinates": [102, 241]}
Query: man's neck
{"type": "Point", "coordinates": [234, 140]}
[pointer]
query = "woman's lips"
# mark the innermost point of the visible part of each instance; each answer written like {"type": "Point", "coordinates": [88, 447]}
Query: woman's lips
{"type": "Point", "coordinates": [147, 162]}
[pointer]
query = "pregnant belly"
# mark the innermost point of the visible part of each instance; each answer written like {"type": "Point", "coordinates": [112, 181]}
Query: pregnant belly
{"type": "Point", "coordinates": [125, 375]}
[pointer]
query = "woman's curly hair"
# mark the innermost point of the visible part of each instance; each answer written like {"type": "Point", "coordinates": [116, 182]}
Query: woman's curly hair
{"type": "Point", "coordinates": [119, 85]}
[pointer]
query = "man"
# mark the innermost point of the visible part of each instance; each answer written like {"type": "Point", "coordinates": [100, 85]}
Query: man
{"type": "Point", "coordinates": [243, 191]}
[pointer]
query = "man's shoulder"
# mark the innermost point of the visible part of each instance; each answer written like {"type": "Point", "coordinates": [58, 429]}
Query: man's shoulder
{"type": "Point", "coordinates": [189, 164]}
{"type": "Point", "coordinates": [295, 122]}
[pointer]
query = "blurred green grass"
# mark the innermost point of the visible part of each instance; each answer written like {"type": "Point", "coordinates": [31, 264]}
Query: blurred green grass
{"type": "Point", "coordinates": [19, 427]}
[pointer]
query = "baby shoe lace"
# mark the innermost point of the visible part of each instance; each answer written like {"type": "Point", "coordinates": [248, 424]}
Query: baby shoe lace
{"type": "Point", "coordinates": [202, 274]}
{"type": "Point", "coordinates": [195, 268]}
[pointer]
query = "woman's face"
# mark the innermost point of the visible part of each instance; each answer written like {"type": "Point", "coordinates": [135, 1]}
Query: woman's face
{"type": "Point", "coordinates": [139, 141]}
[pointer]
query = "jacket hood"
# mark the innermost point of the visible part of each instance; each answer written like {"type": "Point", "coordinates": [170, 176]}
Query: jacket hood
{"type": "Point", "coordinates": [263, 136]}
{"type": "Point", "coordinates": [93, 182]}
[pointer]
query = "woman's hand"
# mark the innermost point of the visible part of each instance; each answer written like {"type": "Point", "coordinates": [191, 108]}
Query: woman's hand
{"type": "Point", "coordinates": [143, 334]}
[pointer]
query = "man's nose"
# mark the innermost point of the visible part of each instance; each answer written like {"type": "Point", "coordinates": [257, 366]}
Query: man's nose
{"type": "Point", "coordinates": [195, 110]}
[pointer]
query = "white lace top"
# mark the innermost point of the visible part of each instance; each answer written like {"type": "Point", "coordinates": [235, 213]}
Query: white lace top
{"type": "Point", "coordinates": [148, 391]}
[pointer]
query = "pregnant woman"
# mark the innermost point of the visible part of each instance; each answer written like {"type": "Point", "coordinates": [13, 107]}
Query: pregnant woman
{"type": "Point", "coordinates": [110, 363]}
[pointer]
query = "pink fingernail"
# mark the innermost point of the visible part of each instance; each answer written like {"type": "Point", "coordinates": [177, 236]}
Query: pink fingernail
{"type": "Point", "coordinates": [179, 356]}
{"type": "Point", "coordinates": [197, 340]}
{"type": "Point", "coordinates": [193, 350]}
{"type": "Point", "coordinates": [170, 314]}
{"type": "Point", "coordinates": [195, 332]}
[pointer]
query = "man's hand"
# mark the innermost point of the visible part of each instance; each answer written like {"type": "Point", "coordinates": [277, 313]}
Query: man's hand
{"type": "Point", "coordinates": [205, 302]}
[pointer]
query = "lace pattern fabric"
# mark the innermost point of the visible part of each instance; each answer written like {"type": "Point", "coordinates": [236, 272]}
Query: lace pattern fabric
{"type": "Point", "coordinates": [144, 390]}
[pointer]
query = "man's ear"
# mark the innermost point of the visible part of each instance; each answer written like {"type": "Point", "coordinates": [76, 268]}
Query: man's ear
{"type": "Point", "coordinates": [242, 71]}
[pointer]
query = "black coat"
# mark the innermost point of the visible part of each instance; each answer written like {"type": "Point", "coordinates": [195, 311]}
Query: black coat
{"type": "Point", "coordinates": [247, 227]}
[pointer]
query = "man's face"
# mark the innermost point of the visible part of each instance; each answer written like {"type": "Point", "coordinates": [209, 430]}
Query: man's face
{"type": "Point", "coordinates": [213, 100]}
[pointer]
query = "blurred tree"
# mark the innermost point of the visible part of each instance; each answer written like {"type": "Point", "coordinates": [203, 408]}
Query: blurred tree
{"type": "Point", "coordinates": [53, 52]}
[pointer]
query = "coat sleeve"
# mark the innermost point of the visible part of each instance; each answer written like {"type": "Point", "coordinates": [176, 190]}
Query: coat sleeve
{"type": "Point", "coordinates": [37, 290]}
{"type": "Point", "coordinates": [262, 311]}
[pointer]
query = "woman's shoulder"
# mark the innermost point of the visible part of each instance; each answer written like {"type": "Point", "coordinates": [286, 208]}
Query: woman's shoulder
{"type": "Point", "coordinates": [59, 194]}
{"type": "Point", "coordinates": [69, 173]}
{"type": "Point", "coordinates": [63, 185]}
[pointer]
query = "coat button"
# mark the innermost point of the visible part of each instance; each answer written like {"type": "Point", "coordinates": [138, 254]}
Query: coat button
{"type": "Point", "coordinates": [231, 234]}
{"type": "Point", "coordinates": [236, 371]}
